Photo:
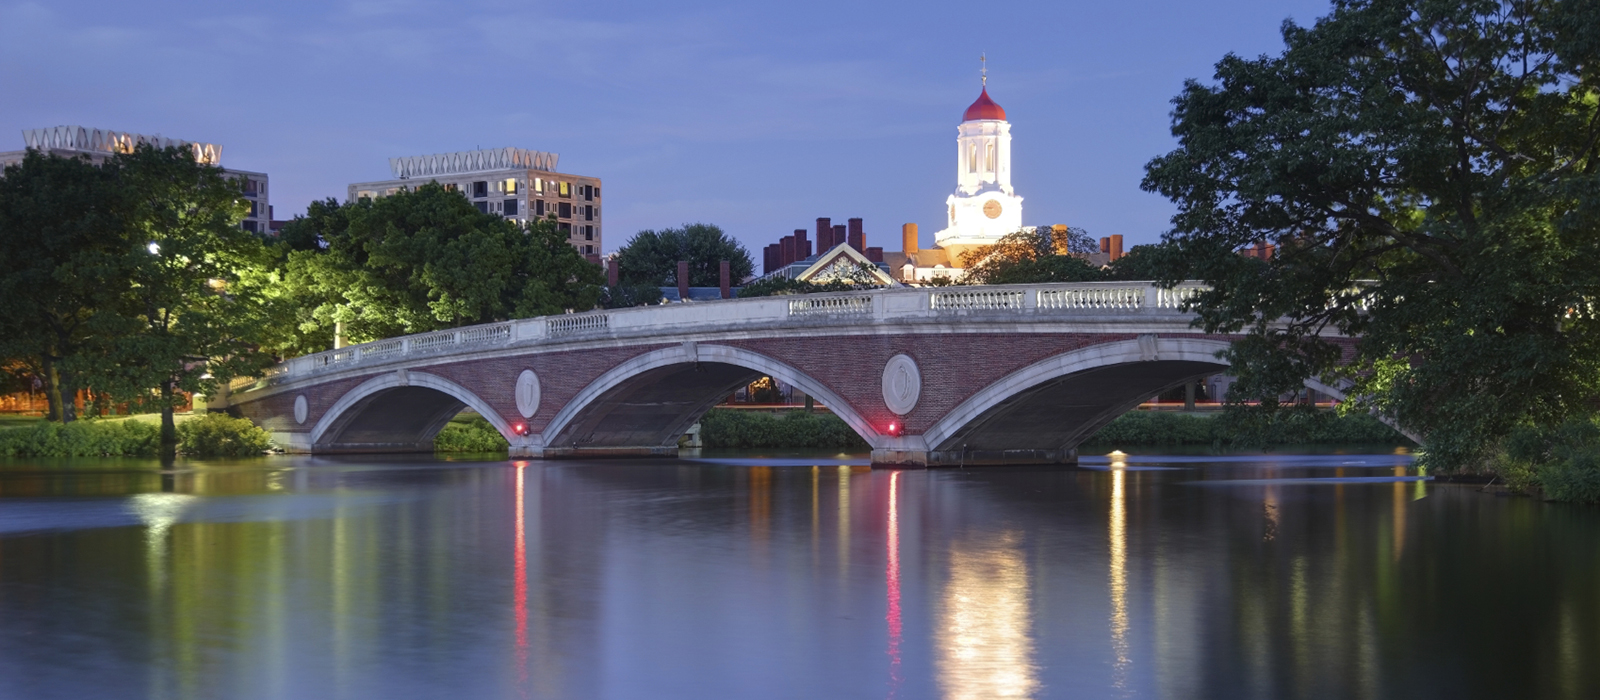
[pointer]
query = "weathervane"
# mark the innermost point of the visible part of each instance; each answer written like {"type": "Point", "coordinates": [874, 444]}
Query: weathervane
{"type": "Point", "coordinates": [983, 63]}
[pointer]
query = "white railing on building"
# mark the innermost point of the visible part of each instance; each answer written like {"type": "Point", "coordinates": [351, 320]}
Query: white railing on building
{"type": "Point", "coordinates": [976, 299]}
{"type": "Point", "coordinates": [1092, 298]}
{"type": "Point", "coordinates": [1057, 302]}
{"type": "Point", "coordinates": [577, 324]}
{"type": "Point", "coordinates": [830, 306]}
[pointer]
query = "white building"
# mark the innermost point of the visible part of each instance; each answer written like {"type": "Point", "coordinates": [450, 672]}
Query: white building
{"type": "Point", "coordinates": [99, 144]}
{"type": "Point", "coordinates": [984, 207]}
{"type": "Point", "coordinates": [515, 183]}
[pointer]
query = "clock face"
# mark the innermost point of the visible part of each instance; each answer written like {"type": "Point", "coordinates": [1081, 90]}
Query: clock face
{"type": "Point", "coordinates": [991, 209]}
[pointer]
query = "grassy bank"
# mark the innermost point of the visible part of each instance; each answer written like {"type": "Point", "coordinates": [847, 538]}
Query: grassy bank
{"type": "Point", "coordinates": [469, 432]}
{"type": "Point", "coordinates": [208, 435]}
{"type": "Point", "coordinates": [1244, 429]}
{"type": "Point", "coordinates": [724, 428]}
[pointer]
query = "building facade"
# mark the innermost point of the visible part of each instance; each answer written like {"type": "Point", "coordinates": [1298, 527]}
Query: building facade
{"type": "Point", "coordinates": [100, 144]}
{"type": "Point", "coordinates": [515, 183]}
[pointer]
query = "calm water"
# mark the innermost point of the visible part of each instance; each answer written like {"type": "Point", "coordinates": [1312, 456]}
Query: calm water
{"type": "Point", "coordinates": [1265, 576]}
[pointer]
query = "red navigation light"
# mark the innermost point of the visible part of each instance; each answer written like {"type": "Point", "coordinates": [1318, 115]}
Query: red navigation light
{"type": "Point", "coordinates": [894, 428]}
{"type": "Point", "coordinates": [519, 428]}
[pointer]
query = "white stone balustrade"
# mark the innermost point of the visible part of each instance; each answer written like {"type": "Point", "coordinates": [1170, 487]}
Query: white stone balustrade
{"type": "Point", "coordinates": [1049, 303]}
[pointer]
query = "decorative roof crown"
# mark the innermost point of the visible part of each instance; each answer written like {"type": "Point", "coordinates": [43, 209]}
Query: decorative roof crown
{"type": "Point", "coordinates": [984, 108]}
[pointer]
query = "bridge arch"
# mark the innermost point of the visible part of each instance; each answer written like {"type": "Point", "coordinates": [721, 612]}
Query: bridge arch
{"type": "Point", "coordinates": [398, 411]}
{"type": "Point", "coordinates": [1046, 408]}
{"type": "Point", "coordinates": [653, 398]}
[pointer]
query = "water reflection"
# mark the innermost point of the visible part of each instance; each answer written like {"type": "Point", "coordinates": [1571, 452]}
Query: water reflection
{"type": "Point", "coordinates": [1158, 577]}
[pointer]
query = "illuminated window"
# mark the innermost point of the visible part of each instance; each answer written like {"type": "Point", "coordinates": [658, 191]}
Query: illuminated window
{"type": "Point", "coordinates": [566, 189]}
{"type": "Point", "coordinates": [509, 186]}
{"type": "Point", "coordinates": [390, 192]}
{"type": "Point", "coordinates": [366, 194]}
{"type": "Point", "coordinates": [972, 157]}
{"type": "Point", "coordinates": [988, 157]}
{"type": "Point", "coordinates": [538, 185]}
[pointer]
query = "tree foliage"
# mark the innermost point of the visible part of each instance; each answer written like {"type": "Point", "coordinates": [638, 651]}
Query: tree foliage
{"type": "Point", "coordinates": [843, 278]}
{"type": "Point", "coordinates": [61, 253]}
{"type": "Point", "coordinates": [1427, 171]}
{"type": "Point", "coordinates": [651, 257]}
{"type": "Point", "coordinates": [1031, 256]}
{"type": "Point", "coordinates": [419, 261]}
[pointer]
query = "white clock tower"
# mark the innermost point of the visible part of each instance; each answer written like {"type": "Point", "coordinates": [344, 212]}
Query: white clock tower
{"type": "Point", "coordinates": [984, 207]}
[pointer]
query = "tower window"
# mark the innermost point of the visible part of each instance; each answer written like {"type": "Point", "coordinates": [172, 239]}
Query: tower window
{"type": "Point", "coordinates": [988, 157]}
{"type": "Point", "coordinates": [972, 157]}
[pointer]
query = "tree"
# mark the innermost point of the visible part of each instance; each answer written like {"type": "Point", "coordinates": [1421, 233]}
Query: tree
{"type": "Point", "coordinates": [423, 260]}
{"type": "Point", "coordinates": [182, 322]}
{"type": "Point", "coordinates": [1032, 255]}
{"type": "Point", "coordinates": [1427, 169]}
{"type": "Point", "coordinates": [651, 257]}
{"type": "Point", "coordinates": [59, 265]}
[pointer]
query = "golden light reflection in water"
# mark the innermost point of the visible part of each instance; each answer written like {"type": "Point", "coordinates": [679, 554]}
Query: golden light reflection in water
{"type": "Point", "coordinates": [520, 586]}
{"type": "Point", "coordinates": [1399, 513]}
{"type": "Point", "coordinates": [892, 576]}
{"type": "Point", "coordinates": [984, 640]}
{"type": "Point", "coordinates": [1118, 536]}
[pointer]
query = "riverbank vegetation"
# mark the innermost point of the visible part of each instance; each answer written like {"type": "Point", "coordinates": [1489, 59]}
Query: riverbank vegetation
{"type": "Point", "coordinates": [723, 428]}
{"type": "Point", "coordinates": [1245, 428]}
{"type": "Point", "coordinates": [469, 432]}
{"type": "Point", "coordinates": [210, 435]}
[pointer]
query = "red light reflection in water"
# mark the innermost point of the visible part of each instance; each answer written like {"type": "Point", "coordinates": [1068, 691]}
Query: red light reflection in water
{"type": "Point", "coordinates": [893, 576]}
{"type": "Point", "coordinates": [520, 590]}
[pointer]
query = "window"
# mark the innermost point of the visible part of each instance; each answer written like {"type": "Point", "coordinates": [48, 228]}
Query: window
{"type": "Point", "coordinates": [482, 206]}
{"type": "Point", "coordinates": [509, 186]}
{"type": "Point", "coordinates": [366, 194]}
{"type": "Point", "coordinates": [538, 185]}
{"type": "Point", "coordinates": [588, 212]}
{"type": "Point", "coordinates": [588, 233]}
{"type": "Point", "coordinates": [249, 226]}
{"type": "Point", "coordinates": [255, 209]}
{"type": "Point", "coordinates": [480, 189]}
{"type": "Point", "coordinates": [588, 250]}
{"type": "Point", "coordinates": [565, 229]}
{"type": "Point", "coordinates": [564, 211]}
{"type": "Point", "coordinates": [510, 207]}
{"type": "Point", "coordinates": [972, 157]}
{"type": "Point", "coordinates": [538, 208]}
{"type": "Point", "coordinates": [390, 192]}
{"type": "Point", "coordinates": [565, 191]}
{"type": "Point", "coordinates": [588, 193]}
{"type": "Point", "coordinates": [452, 187]}
{"type": "Point", "coordinates": [988, 157]}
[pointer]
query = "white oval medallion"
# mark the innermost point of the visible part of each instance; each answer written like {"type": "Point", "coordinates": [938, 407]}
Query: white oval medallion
{"type": "Point", "coordinates": [902, 384]}
{"type": "Point", "coordinates": [300, 409]}
{"type": "Point", "coordinates": [527, 393]}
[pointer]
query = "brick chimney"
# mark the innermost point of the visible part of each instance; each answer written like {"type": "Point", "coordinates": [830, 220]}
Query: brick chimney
{"type": "Point", "coordinates": [724, 272]}
{"type": "Point", "coordinates": [908, 238]}
{"type": "Point", "coordinates": [683, 280]}
{"type": "Point", "coordinates": [611, 272]}
{"type": "Point", "coordinates": [858, 239]}
{"type": "Point", "coordinates": [825, 233]}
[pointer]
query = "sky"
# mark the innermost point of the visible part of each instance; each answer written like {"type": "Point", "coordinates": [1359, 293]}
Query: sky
{"type": "Point", "coordinates": [757, 117]}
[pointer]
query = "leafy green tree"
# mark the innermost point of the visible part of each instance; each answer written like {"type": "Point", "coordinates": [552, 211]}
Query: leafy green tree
{"type": "Point", "coordinates": [1427, 169]}
{"type": "Point", "coordinates": [419, 261]}
{"type": "Point", "coordinates": [183, 322]}
{"type": "Point", "coordinates": [625, 296]}
{"type": "Point", "coordinates": [1032, 255]}
{"type": "Point", "coordinates": [1147, 263]}
{"type": "Point", "coordinates": [845, 279]}
{"type": "Point", "coordinates": [651, 257]}
{"type": "Point", "coordinates": [60, 264]}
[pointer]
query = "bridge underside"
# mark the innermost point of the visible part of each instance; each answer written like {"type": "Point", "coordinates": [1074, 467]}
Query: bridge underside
{"type": "Point", "coordinates": [402, 419]}
{"type": "Point", "coordinates": [1044, 424]}
{"type": "Point", "coordinates": [648, 413]}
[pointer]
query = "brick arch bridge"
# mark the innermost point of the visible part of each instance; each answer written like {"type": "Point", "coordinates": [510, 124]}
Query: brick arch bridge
{"type": "Point", "coordinates": [933, 376]}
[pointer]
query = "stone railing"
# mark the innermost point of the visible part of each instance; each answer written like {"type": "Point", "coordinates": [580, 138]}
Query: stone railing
{"type": "Point", "coordinates": [1050, 303]}
{"type": "Point", "coordinates": [808, 305]}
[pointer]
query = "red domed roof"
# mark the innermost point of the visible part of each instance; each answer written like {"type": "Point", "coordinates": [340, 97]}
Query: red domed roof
{"type": "Point", "coordinates": [984, 108]}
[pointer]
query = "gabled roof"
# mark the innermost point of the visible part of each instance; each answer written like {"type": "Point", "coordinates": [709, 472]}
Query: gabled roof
{"type": "Point", "coordinates": [843, 253]}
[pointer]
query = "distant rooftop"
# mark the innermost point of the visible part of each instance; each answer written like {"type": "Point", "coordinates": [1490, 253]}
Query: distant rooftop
{"type": "Point", "coordinates": [80, 138]}
{"type": "Point", "coordinates": [472, 162]}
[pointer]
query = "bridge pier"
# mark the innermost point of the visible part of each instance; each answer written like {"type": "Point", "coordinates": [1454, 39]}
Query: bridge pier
{"type": "Point", "coordinates": [893, 458]}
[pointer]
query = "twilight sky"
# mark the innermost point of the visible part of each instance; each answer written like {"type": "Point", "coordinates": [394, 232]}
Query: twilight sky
{"type": "Point", "coordinates": [758, 117]}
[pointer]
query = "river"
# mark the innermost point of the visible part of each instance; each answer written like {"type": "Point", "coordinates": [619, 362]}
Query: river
{"type": "Point", "coordinates": [1154, 576]}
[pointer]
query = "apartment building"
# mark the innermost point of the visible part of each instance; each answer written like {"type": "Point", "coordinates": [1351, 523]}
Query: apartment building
{"type": "Point", "coordinates": [100, 144]}
{"type": "Point", "coordinates": [515, 183]}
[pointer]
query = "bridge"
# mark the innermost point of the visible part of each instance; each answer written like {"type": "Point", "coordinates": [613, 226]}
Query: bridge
{"type": "Point", "coordinates": [942, 376]}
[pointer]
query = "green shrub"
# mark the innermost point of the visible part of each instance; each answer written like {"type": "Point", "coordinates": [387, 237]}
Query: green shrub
{"type": "Point", "coordinates": [83, 438]}
{"type": "Point", "coordinates": [1563, 461]}
{"type": "Point", "coordinates": [1245, 427]}
{"type": "Point", "coordinates": [469, 433]}
{"type": "Point", "coordinates": [221, 435]}
{"type": "Point", "coordinates": [732, 428]}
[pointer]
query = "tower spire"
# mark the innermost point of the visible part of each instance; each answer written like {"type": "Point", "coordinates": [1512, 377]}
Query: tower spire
{"type": "Point", "coordinates": [983, 63]}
